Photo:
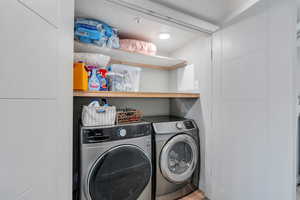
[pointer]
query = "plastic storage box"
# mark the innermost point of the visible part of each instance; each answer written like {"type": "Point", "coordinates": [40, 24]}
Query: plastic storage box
{"type": "Point", "coordinates": [93, 59]}
{"type": "Point", "coordinates": [124, 78]}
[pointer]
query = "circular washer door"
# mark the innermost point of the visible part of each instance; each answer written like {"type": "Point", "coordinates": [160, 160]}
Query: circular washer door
{"type": "Point", "coordinates": [178, 158]}
{"type": "Point", "coordinates": [122, 173]}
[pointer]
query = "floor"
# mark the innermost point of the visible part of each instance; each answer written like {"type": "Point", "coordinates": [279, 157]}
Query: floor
{"type": "Point", "coordinates": [298, 193]}
{"type": "Point", "coordinates": [197, 195]}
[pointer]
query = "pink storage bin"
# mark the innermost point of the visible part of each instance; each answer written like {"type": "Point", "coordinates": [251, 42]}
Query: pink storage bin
{"type": "Point", "coordinates": [138, 46]}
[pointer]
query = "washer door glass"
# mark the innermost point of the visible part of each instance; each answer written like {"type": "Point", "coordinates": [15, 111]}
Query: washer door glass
{"type": "Point", "coordinates": [179, 158]}
{"type": "Point", "coordinates": [120, 174]}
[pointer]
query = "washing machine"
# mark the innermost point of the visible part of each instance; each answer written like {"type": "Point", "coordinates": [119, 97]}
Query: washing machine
{"type": "Point", "coordinates": [177, 156]}
{"type": "Point", "coordinates": [115, 162]}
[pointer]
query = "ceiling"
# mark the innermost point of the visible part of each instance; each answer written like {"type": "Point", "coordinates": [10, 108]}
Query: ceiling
{"type": "Point", "coordinates": [214, 11]}
{"type": "Point", "coordinates": [211, 10]}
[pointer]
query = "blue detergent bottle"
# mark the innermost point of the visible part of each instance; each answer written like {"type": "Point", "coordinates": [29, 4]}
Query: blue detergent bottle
{"type": "Point", "coordinates": [94, 83]}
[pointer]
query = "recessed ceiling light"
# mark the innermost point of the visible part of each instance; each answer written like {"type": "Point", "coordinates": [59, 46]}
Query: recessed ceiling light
{"type": "Point", "coordinates": [164, 36]}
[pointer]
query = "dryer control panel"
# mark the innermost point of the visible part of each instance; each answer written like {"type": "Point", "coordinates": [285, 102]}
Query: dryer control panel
{"type": "Point", "coordinates": [174, 127]}
{"type": "Point", "coordinates": [189, 124]}
{"type": "Point", "coordinates": [117, 132]}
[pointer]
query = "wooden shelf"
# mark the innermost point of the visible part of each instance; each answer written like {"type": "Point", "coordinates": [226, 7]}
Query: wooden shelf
{"type": "Point", "coordinates": [135, 94]}
{"type": "Point", "coordinates": [133, 59]}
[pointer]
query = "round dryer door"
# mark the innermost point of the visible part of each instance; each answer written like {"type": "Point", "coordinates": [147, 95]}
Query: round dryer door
{"type": "Point", "coordinates": [122, 173]}
{"type": "Point", "coordinates": [178, 158]}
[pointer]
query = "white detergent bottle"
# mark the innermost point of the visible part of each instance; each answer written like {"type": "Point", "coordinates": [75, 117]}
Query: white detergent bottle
{"type": "Point", "coordinates": [94, 83]}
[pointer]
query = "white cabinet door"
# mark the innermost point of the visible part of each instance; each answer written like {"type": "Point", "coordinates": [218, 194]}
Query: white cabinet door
{"type": "Point", "coordinates": [36, 100]}
{"type": "Point", "coordinates": [28, 53]}
{"type": "Point", "coordinates": [48, 10]}
{"type": "Point", "coordinates": [28, 149]}
{"type": "Point", "coordinates": [253, 115]}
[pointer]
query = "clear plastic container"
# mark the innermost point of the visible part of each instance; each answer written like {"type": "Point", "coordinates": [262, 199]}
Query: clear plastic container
{"type": "Point", "coordinates": [94, 59]}
{"type": "Point", "coordinates": [124, 78]}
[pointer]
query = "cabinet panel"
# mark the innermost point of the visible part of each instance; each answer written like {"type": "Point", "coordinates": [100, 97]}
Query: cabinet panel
{"type": "Point", "coordinates": [46, 9]}
{"type": "Point", "coordinates": [247, 35]}
{"type": "Point", "coordinates": [244, 149]}
{"type": "Point", "coordinates": [253, 114]}
{"type": "Point", "coordinates": [246, 77]}
{"type": "Point", "coordinates": [28, 152]}
{"type": "Point", "coordinates": [28, 53]}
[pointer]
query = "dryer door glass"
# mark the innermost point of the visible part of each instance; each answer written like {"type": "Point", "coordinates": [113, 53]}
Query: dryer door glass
{"type": "Point", "coordinates": [179, 158]}
{"type": "Point", "coordinates": [120, 174]}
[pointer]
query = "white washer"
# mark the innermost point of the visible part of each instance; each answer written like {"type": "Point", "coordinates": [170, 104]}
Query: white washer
{"type": "Point", "coordinates": [116, 162]}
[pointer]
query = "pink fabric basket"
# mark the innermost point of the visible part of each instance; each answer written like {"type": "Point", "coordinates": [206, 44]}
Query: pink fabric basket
{"type": "Point", "coordinates": [138, 46]}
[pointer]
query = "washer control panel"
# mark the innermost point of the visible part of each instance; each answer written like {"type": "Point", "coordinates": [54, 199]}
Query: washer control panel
{"type": "Point", "coordinates": [117, 132]}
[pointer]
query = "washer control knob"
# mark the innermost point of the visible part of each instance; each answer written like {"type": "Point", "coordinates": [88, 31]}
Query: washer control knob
{"type": "Point", "coordinates": [122, 132]}
{"type": "Point", "coordinates": [179, 125]}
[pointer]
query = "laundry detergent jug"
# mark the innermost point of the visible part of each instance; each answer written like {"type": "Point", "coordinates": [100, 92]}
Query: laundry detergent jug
{"type": "Point", "coordinates": [94, 83]}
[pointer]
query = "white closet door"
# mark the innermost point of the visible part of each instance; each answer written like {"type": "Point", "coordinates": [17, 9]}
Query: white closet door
{"type": "Point", "coordinates": [253, 115]}
{"type": "Point", "coordinates": [48, 10]}
{"type": "Point", "coordinates": [28, 149]}
{"type": "Point", "coordinates": [28, 53]}
{"type": "Point", "coordinates": [36, 99]}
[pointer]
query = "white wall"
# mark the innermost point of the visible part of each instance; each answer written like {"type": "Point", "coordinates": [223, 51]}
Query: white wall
{"type": "Point", "coordinates": [153, 80]}
{"type": "Point", "coordinates": [195, 78]}
{"type": "Point", "coordinates": [298, 71]}
{"type": "Point", "coordinates": [36, 99]}
{"type": "Point", "coordinates": [254, 118]}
